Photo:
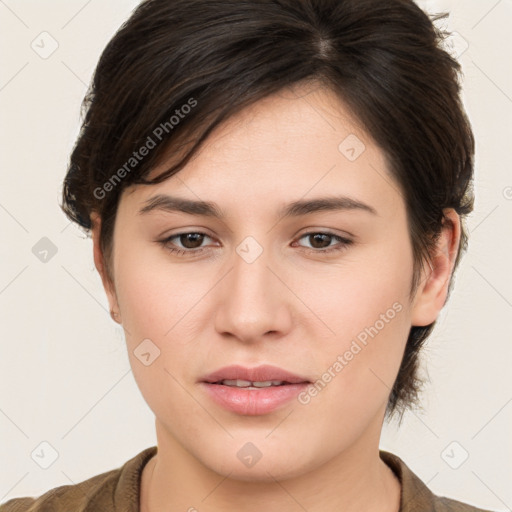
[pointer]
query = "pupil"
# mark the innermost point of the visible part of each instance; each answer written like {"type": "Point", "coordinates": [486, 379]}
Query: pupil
{"type": "Point", "coordinates": [318, 238]}
{"type": "Point", "coordinates": [196, 238]}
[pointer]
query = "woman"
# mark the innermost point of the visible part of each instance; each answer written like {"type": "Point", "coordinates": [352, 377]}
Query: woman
{"type": "Point", "coordinates": [276, 192]}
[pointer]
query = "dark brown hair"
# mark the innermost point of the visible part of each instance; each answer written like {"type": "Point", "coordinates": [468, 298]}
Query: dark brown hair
{"type": "Point", "coordinates": [178, 68]}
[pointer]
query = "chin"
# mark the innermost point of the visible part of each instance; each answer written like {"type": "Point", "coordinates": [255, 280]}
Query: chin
{"type": "Point", "coordinates": [262, 473]}
{"type": "Point", "coordinates": [267, 469]}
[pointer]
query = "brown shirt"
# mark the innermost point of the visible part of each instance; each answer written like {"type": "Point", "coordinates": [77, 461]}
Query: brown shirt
{"type": "Point", "coordinates": [118, 491]}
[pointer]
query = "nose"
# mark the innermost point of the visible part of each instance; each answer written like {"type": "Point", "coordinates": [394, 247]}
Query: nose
{"type": "Point", "coordinates": [254, 301]}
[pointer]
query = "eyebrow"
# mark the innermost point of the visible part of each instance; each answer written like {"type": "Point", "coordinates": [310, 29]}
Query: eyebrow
{"type": "Point", "coordinates": [167, 203]}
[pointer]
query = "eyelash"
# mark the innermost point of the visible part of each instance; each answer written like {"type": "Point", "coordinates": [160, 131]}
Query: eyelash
{"type": "Point", "coordinates": [344, 243]}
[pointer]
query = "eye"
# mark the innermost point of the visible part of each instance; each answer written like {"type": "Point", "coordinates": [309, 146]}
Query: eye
{"type": "Point", "coordinates": [321, 242]}
{"type": "Point", "coordinates": [191, 242]}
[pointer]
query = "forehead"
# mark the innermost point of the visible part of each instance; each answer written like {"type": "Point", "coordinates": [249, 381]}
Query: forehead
{"type": "Point", "coordinates": [298, 142]}
{"type": "Point", "coordinates": [300, 111]}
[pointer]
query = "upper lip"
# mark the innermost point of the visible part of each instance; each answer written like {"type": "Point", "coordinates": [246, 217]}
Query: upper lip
{"type": "Point", "coordinates": [258, 374]}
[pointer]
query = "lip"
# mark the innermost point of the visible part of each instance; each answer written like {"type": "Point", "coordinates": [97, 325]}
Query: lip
{"type": "Point", "coordinates": [258, 374]}
{"type": "Point", "coordinates": [253, 402]}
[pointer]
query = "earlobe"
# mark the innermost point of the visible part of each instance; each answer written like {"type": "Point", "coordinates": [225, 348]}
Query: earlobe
{"type": "Point", "coordinates": [99, 263]}
{"type": "Point", "coordinates": [433, 289]}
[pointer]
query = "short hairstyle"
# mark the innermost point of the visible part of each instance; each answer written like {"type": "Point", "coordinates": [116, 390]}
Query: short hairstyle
{"type": "Point", "coordinates": [176, 69]}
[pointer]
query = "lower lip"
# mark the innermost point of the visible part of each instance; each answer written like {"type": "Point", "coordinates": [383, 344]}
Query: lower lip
{"type": "Point", "coordinates": [253, 402]}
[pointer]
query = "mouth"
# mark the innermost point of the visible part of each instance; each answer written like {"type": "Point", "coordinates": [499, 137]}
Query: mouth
{"type": "Point", "coordinates": [252, 391]}
{"type": "Point", "coordinates": [259, 376]}
{"type": "Point", "coordinates": [247, 384]}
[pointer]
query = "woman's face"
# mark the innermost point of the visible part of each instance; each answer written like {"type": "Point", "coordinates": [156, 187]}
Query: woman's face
{"type": "Point", "coordinates": [254, 287]}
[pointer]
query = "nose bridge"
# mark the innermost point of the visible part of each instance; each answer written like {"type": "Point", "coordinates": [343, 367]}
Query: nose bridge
{"type": "Point", "coordinates": [253, 302]}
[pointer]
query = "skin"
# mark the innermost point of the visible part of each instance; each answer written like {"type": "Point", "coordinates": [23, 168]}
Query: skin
{"type": "Point", "coordinates": [291, 308]}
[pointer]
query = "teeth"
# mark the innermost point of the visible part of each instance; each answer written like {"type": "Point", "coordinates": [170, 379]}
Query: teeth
{"type": "Point", "coordinates": [267, 383]}
{"type": "Point", "coordinates": [239, 383]}
{"type": "Point", "coordinates": [247, 383]}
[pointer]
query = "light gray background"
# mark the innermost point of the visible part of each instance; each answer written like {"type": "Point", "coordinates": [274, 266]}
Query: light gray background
{"type": "Point", "coordinates": [64, 370]}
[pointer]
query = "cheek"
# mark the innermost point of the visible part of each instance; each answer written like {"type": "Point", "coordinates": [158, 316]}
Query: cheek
{"type": "Point", "coordinates": [160, 304]}
{"type": "Point", "coordinates": [154, 306]}
{"type": "Point", "coordinates": [155, 296]}
{"type": "Point", "coordinates": [353, 295]}
{"type": "Point", "coordinates": [365, 305]}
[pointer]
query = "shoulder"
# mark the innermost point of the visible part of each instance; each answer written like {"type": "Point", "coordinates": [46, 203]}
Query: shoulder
{"type": "Point", "coordinates": [65, 497]}
{"type": "Point", "coordinates": [416, 496]}
{"type": "Point", "coordinates": [117, 489]}
{"type": "Point", "coordinates": [446, 504]}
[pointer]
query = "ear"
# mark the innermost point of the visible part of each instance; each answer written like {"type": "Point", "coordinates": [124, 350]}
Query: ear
{"type": "Point", "coordinates": [99, 262]}
{"type": "Point", "coordinates": [433, 290]}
